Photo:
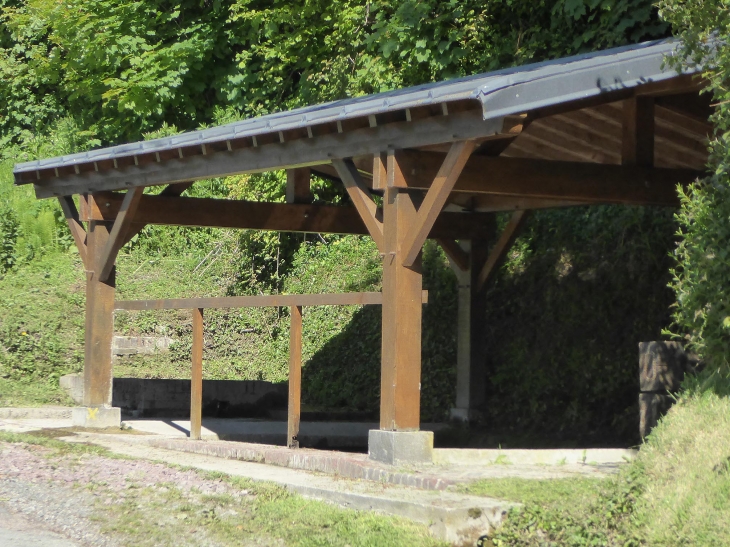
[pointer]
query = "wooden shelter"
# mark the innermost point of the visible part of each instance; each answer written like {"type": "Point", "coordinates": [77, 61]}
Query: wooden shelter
{"type": "Point", "coordinates": [433, 161]}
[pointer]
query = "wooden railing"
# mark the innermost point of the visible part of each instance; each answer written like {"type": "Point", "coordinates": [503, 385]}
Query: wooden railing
{"type": "Point", "coordinates": [294, 301]}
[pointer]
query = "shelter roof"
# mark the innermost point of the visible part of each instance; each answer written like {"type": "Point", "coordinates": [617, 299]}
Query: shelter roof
{"type": "Point", "coordinates": [495, 95]}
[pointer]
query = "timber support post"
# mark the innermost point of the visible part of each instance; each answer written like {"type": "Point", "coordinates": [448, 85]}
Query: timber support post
{"type": "Point", "coordinates": [471, 374]}
{"type": "Point", "coordinates": [196, 377]}
{"type": "Point", "coordinates": [99, 332]}
{"type": "Point", "coordinates": [295, 378]}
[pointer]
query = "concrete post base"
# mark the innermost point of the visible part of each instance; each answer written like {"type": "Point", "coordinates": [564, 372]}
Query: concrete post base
{"type": "Point", "coordinates": [96, 417]}
{"type": "Point", "coordinates": [393, 447]}
{"type": "Point", "coordinates": [459, 414]}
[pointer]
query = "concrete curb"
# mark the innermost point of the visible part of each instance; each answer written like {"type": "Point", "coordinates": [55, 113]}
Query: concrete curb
{"type": "Point", "coordinates": [556, 457]}
{"type": "Point", "coordinates": [36, 413]}
{"type": "Point", "coordinates": [351, 466]}
{"type": "Point", "coordinates": [457, 518]}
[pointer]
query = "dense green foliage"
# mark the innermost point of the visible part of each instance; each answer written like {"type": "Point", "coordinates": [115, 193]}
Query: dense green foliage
{"type": "Point", "coordinates": [701, 276]}
{"type": "Point", "coordinates": [124, 68]}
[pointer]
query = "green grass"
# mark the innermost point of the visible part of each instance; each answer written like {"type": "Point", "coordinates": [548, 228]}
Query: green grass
{"type": "Point", "coordinates": [553, 493]}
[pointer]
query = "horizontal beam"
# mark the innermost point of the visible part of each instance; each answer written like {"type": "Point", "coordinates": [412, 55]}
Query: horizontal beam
{"type": "Point", "coordinates": [260, 301]}
{"type": "Point", "coordinates": [281, 217]}
{"type": "Point", "coordinates": [573, 181]}
{"type": "Point", "coordinates": [296, 153]}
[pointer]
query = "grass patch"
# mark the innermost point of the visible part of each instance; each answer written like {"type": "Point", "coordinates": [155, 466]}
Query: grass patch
{"type": "Point", "coordinates": [48, 439]}
{"type": "Point", "coordinates": [553, 493]}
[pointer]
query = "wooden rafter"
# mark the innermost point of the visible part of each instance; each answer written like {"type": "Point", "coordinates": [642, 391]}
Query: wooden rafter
{"type": "Point", "coordinates": [361, 199]}
{"type": "Point", "coordinates": [499, 252]}
{"type": "Point", "coordinates": [74, 223]}
{"type": "Point", "coordinates": [118, 232]}
{"type": "Point", "coordinates": [435, 199]}
{"type": "Point", "coordinates": [637, 145]}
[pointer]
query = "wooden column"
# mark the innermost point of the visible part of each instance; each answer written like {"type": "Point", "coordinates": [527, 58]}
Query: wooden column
{"type": "Point", "coordinates": [471, 373]}
{"type": "Point", "coordinates": [400, 399]}
{"type": "Point", "coordinates": [295, 377]}
{"type": "Point", "coordinates": [196, 377]}
{"type": "Point", "coordinates": [99, 324]}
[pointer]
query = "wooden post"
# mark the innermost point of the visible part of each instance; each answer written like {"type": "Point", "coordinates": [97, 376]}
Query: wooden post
{"type": "Point", "coordinates": [99, 321]}
{"type": "Point", "coordinates": [298, 189]}
{"type": "Point", "coordinates": [196, 377]}
{"type": "Point", "coordinates": [400, 389]}
{"type": "Point", "coordinates": [295, 377]}
{"type": "Point", "coordinates": [637, 146]}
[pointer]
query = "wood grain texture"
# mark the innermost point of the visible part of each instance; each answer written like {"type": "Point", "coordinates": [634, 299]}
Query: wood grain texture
{"type": "Point", "coordinates": [74, 224]}
{"type": "Point", "coordinates": [295, 377]}
{"type": "Point", "coordinates": [196, 376]}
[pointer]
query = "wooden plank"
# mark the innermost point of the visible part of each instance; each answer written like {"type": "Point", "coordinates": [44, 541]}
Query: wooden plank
{"type": "Point", "coordinates": [499, 251]}
{"type": "Point", "coordinates": [283, 217]}
{"type": "Point", "coordinates": [296, 153]}
{"type": "Point", "coordinates": [99, 323]}
{"type": "Point", "coordinates": [361, 199]}
{"type": "Point", "coordinates": [118, 232]}
{"type": "Point", "coordinates": [295, 377]}
{"type": "Point", "coordinates": [533, 178]}
{"type": "Point", "coordinates": [400, 387]}
{"type": "Point", "coordinates": [298, 189]}
{"type": "Point", "coordinates": [637, 146]}
{"type": "Point", "coordinates": [74, 224]}
{"type": "Point", "coordinates": [435, 199]}
{"type": "Point", "coordinates": [196, 377]}
{"type": "Point", "coordinates": [276, 300]}
{"type": "Point", "coordinates": [454, 251]}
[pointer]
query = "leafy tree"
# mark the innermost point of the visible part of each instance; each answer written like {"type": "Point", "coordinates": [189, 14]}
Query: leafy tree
{"type": "Point", "coordinates": [702, 275]}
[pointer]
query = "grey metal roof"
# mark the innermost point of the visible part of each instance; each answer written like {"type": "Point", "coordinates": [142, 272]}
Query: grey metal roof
{"type": "Point", "coordinates": [502, 92]}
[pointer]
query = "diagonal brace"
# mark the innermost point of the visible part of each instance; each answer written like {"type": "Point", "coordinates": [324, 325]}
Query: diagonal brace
{"type": "Point", "coordinates": [361, 199]}
{"type": "Point", "coordinates": [118, 232]}
{"type": "Point", "coordinates": [435, 199]}
{"type": "Point", "coordinates": [74, 224]}
{"type": "Point", "coordinates": [499, 251]}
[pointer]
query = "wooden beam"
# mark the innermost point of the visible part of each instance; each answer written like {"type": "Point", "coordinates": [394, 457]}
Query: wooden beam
{"type": "Point", "coordinates": [573, 181]}
{"type": "Point", "coordinates": [296, 153]}
{"type": "Point", "coordinates": [435, 199]}
{"type": "Point", "coordinates": [74, 223]}
{"type": "Point", "coordinates": [454, 251]}
{"type": "Point", "coordinates": [118, 232]}
{"type": "Point", "coordinates": [400, 376]}
{"type": "Point", "coordinates": [637, 147]}
{"type": "Point", "coordinates": [99, 322]}
{"type": "Point", "coordinates": [298, 189]}
{"type": "Point", "coordinates": [196, 377]}
{"type": "Point", "coordinates": [295, 377]}
{"type": "Point", "coordinates": [361, 199]}
{"type": "Point", "coordinates": [499, 252]}
{"type": "Point", "coordinates": [267, 300]}
{"type": "Point", "coordinates": [490, 203]}
{"type": "Point", "coordinates": [282, 217]}
{"type": "Point", "coordinates": [172, 190]}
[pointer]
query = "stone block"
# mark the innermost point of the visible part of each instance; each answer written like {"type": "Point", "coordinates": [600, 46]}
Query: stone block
{"type": "Point", "coordinates": [662, 365]}
{"type": "Point", "coordinates": [395, 447]}
{"type": "Point", "coordinates": [73, 384]}
{"type": "Point", "coordinates": [652, 406]}
{"type": "Point", "coordinates": [96, 417]}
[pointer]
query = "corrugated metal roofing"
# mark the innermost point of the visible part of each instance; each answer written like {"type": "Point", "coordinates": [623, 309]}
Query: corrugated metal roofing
{"type": "Point", "coordinates": [502, 92]}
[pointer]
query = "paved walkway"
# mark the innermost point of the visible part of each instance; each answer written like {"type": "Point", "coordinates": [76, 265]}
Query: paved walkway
{"type": "Point", "coordinates": [16, 531]}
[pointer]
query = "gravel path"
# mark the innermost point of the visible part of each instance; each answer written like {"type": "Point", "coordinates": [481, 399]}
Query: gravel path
{"type": "Point", "coordinates": [70, 494]}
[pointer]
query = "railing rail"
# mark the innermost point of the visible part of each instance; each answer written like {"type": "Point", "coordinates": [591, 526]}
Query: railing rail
{"type": "Point", "coordinates": [294, 301]}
